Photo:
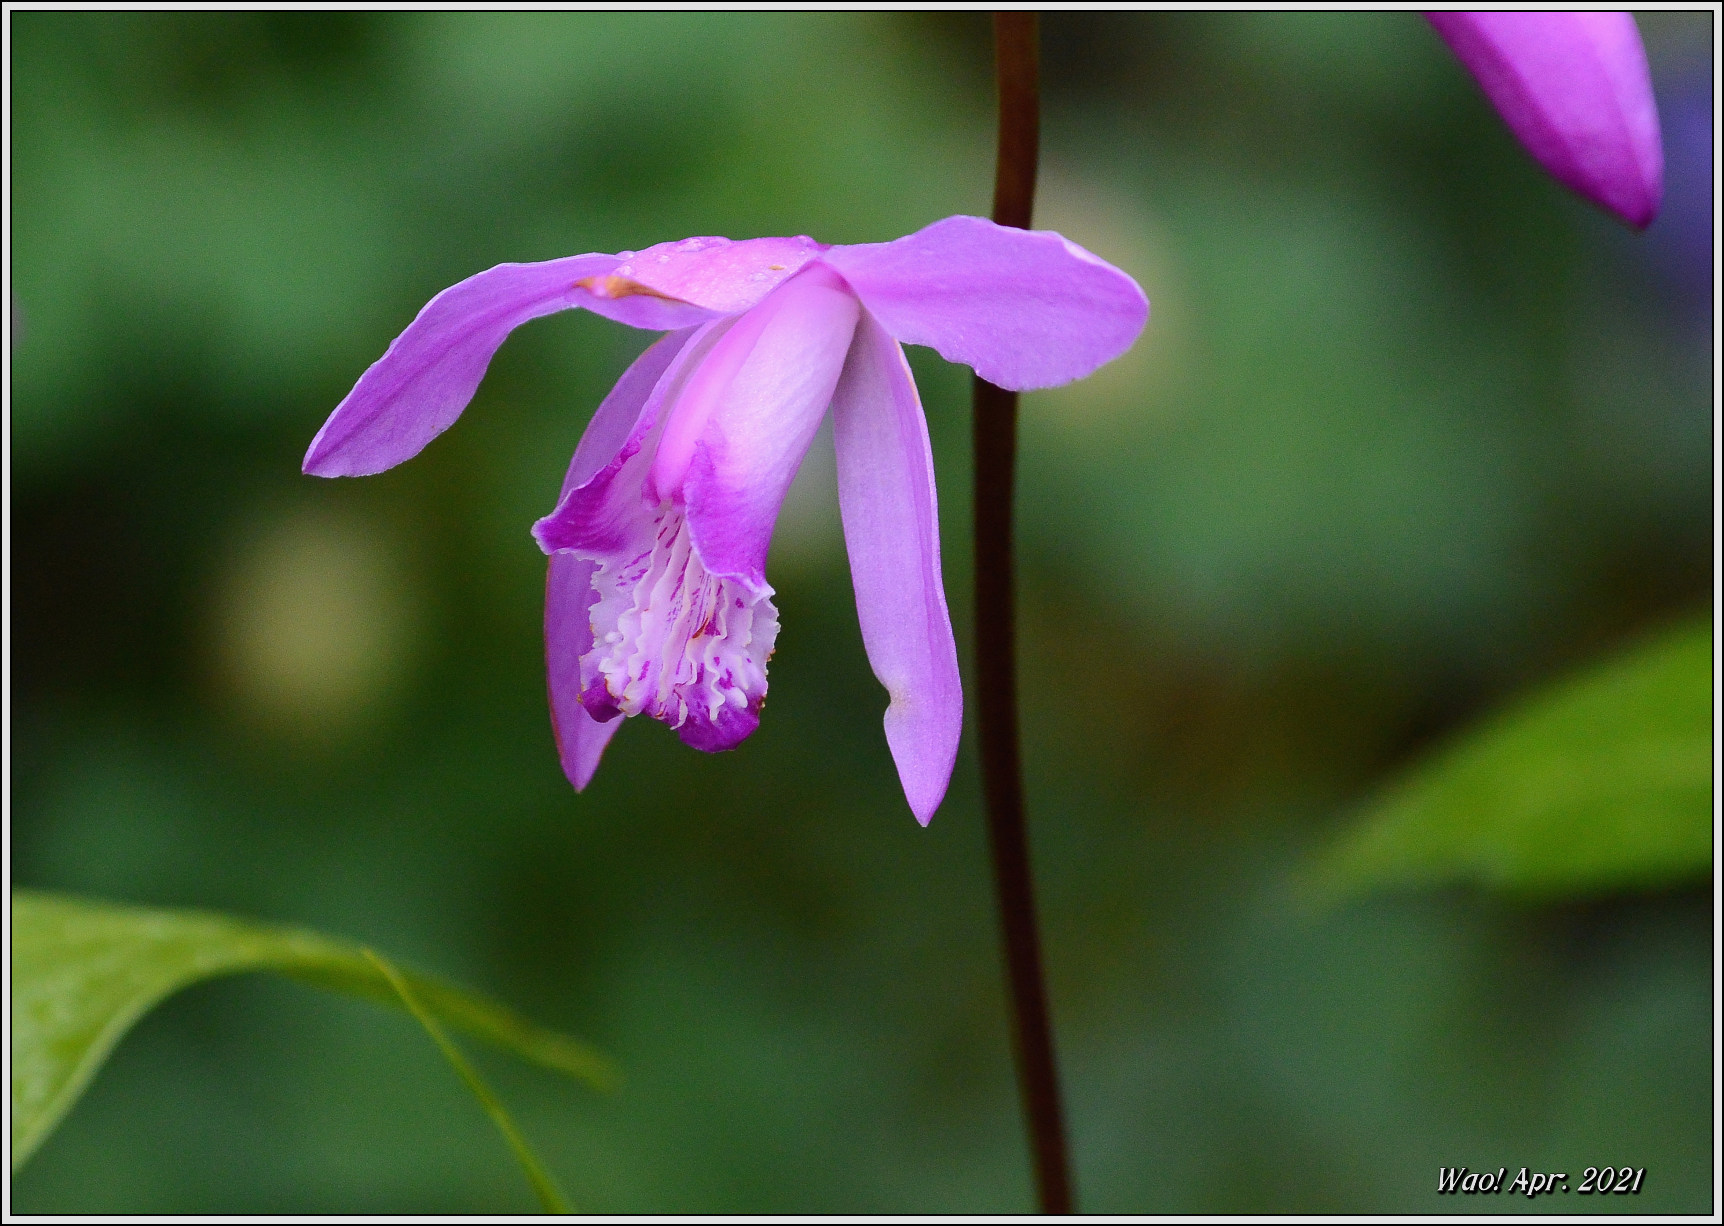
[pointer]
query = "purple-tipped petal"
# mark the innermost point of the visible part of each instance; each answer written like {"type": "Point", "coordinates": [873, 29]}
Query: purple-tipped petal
{"type": "Point", "coordinates": [1025, 308]}
{"type": "Point", "coordinates": [581, 739]}
{"type": "Point", "coordinates": [1574, 88]}
{"type": "Point", "coordinates": [733, 445]}
{"type": "Point", "coordinates": [892, 529]}
{"type": "Point", "coordinates": [714, 274]}
{"type": "Point", "coordinates": [419, 386]}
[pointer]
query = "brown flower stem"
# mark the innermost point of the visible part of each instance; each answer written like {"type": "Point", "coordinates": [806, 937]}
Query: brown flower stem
{"type": "Point", "coordinates": [996, 438]}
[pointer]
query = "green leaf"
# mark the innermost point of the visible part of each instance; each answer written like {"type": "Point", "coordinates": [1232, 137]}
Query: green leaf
{"type": "Point", "coordinates": [83, 971]}
{"type": "Point", "coordinates": [550, 1196]}
{"type": "Point", "coordinates": [1600, 782]}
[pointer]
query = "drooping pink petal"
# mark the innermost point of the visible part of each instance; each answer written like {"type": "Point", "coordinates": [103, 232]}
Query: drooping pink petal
{"type": "Point", "coordinates": [732, 446]}
{"type": "Point", "coordinates": [892, 530]}
{"type": "Point", "coordinates": [419, 386]}
{"type": "Point", "coordinates": [715, 274]}
{"type": "Point", "coordinates": [581, 739]}
{"type": "Point", "coordinates": [1025, 308]}
{"type": "Point", "coordinates": [1575, 89]}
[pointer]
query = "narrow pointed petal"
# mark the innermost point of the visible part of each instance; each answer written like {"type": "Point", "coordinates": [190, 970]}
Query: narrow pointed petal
{"type": "Point", "coordinates": [892, 529]}
{"type": "Point", "coordinates": [581, 739]}
{"type": "Point", "coordinates": [734, 443]}
{"type": "Point", "coordinates": [419, 386]}
{"type": "Point", "coordinates": [1025, 308]}
{"type": "Point", "coordinates": [1575, 89]}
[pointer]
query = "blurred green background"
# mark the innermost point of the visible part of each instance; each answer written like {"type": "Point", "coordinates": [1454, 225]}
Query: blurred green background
{"type": "Point", "coordinates": [1410, 430]}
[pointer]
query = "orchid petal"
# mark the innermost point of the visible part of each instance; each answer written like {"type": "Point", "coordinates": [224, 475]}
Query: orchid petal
{"type": "Point", "coordinates": [713, 274]}
{"type": "Point", "coordinates": [1025, 308]}
{"type": "Point", "coordinates": [569, 595]}
{"type": "Point", "coordinates": [740, 438]}
{"type": "Point", "coordinates": [1575, 89]}
{"type": "Point", "coordinates": [417, 389]}
{"type": "Point", "coordinates": [892, 529]}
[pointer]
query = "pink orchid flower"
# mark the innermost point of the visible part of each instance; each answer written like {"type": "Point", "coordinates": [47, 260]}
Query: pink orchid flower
{"type": "Point", "coordinates": [1574, 88]}
{"type": "Point", "coordinates": [656, 601]}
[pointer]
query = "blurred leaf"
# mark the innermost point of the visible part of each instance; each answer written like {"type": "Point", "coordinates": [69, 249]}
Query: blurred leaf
{"type": "Point", "coordinates": [1603, 781]}
{"type": "Point", "coordinates": [550, 1196]}
{"type": "Point", "coordinates": [84, 971]}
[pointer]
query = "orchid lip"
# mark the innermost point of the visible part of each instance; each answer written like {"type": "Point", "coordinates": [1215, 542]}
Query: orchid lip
{"type": "Point", "coordinates": [676, 642]}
